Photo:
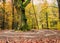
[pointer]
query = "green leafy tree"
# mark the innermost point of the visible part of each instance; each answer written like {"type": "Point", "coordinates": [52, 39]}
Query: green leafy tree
{"type": "Point", "coordinates": [20, 7]}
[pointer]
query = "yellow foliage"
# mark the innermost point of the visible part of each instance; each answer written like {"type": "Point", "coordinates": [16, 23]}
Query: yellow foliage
{"type": "Point", "coordinates": [41, 10]}
{"type": "Point", "coordinates": [41, 14]}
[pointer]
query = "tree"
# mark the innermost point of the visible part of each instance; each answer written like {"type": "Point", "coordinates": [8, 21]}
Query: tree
{"type": "Point", "coordinates": [35, 15]}
{"type": "Point", "coordinates": [59, 14]}
{"type": "Point", "coordinates": [3, 24]}
{"type": "Point", "coordinates": [59, 8]}
{"type": "Point", "coordinates": [13, 14]}
{"type": "Point", "coordinates": [20, 7]}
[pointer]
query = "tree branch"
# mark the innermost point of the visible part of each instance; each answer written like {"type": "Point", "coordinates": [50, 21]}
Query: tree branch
{"type": "Point", "coordinates": [26, 3]}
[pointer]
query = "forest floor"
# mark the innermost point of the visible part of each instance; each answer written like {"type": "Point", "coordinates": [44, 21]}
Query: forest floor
{"type": "Point", "coordinates": [31, 34]}
{"type": "Point", "coordinates": [24, 37]}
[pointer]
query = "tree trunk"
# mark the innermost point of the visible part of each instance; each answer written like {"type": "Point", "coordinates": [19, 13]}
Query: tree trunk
{"type": "Point", "coordinates": [35, 16]}
{"type": "Point", "coordinates": [3, 24]}
{"type": "Point", "coordinates": [59, 8]}
{"type": "Point", "coordinates": [13, 14]}
{"type": "Point", "coordinates": [21, 9]}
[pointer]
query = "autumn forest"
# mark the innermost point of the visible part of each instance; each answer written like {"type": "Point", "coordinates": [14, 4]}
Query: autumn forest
{"type": "Point", "coordinates": [26, 15]}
